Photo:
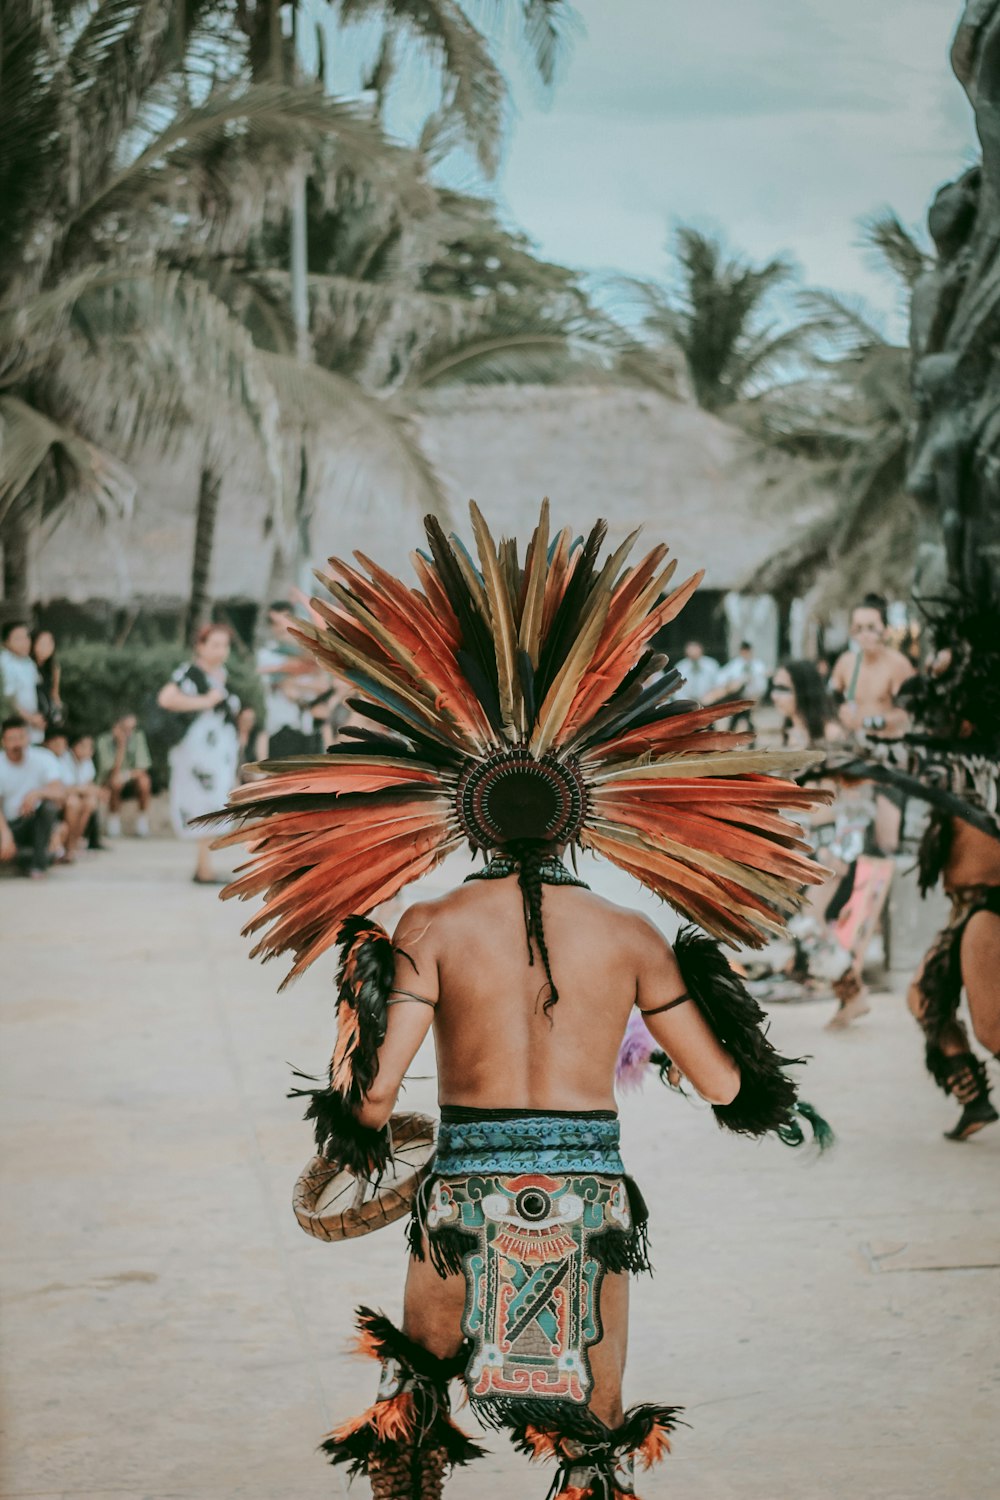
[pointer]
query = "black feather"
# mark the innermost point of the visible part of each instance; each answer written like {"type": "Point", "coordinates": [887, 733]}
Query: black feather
{"type": "Point", "coordinates": [526, 673]}
{"type": "Point", "coordinates": [477, 636]}
{"type": "Point", "coordinates": [768, 1097]}
{"type": "Point", "coordinates": [364, 980]}
{"type": "Point", "coordinates": [482, 685]}
{"type": "Point", "coordinates": [566, 622]}
{"type": "Point", "coordinates": [340, 1137]}
{"type": "Point", "coordinates": [434, 1432]}
{"type": "Point", "coordinates": [429, 750]}
{"type": "Point", "coordinates": [642, 705]}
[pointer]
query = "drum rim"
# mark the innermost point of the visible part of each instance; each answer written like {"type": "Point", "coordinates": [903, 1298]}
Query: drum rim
{"type": "Point", "coordinates": [351, 1223]}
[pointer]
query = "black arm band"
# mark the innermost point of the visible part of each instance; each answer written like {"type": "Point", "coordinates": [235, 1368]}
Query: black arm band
{"type": "Point", "coordinates": [658, 1010]}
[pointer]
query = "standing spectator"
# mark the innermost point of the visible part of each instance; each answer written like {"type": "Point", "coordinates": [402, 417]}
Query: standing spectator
{"type": "Point", "coordinates": [809, 717]}
{"type": "Point", "coordinates": [867, 678]}
{"type": "Point", "coordinates": [698, 670]}
{"type": "Point", "coordinates": [203, 765]}
{"type": "Point", "coordinates": [292, 713]}
{"type": "Point", "coordinates": [123, 766]}
{"type": "Point", "coordinates": [19, 678]}
{"type": "Point", "coordinates": [31, 797]}
{"type": "Point", "coordinates": [745, 676]}
{"type": "Point", "coordinates": [43, 654]}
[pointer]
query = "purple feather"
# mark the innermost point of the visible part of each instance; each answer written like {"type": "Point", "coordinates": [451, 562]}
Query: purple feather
{"type": "Point", "coordinates": [638, 1046]}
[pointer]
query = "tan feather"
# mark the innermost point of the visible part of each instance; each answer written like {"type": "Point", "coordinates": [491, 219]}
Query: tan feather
{"type": "Point", "coordinates": [501, 617]}
{"type": "Point", "coordinates": [560, 695]}
{"type": "Point", "coordinates": [536, 568]}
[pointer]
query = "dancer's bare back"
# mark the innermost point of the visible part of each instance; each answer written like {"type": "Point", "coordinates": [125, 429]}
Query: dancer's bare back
{"type": "Point", "coordinates": [462, 965]}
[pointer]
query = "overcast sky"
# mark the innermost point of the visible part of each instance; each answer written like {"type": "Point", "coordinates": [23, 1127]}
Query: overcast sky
{"type": "Point", "coordinates": [781, 123]}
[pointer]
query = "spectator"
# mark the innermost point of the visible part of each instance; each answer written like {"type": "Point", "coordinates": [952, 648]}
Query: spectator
{"type": "Point", "coordinates": [698, 670]}
{"type": "Point", "coordinates": [293, 714]}
{"type": "Point", "coordinates": [867, 678]}
{"type": "Point", "coordinates": [800, 695]}
{"type": "Point", "coordinates": [19, 678]}
{"type": "Point", "coordinates": [81, 748]}
{"type": "Point", "coordinates": [745, 676]}
{"type": "Point", "coordinates": [203, 764]}
{"type": "Point", "coordinates": [79, 800]}
{"type": "Point", "coordinates": [123, 765]}
{"type": "Point", "coordinates": [31, 797]}
{"type": "Point", "coordinates": [43, 654]}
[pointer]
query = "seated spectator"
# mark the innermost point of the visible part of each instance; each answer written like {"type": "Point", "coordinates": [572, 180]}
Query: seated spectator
{"type": "Point", "coordinates": [81, 798]}
{"type": "Point", "coordinates": [31, 798]}
{"type": "Point", "coordinates": [123, 766]}
{"type": "Point", "coordinates": [81, 748]}
{"type": "Point", "coordinates": [43, 654]}
{"type": "Point", "coordinates": [19, 678]}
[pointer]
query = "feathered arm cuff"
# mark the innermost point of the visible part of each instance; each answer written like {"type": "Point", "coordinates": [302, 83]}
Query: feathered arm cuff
{"type": "Point", "coordinates": [768, 1098]}
{"type": "Point", "coordinates": [364, 982]}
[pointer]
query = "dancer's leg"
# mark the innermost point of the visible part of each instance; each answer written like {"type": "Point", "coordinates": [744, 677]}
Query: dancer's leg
{"type": "Point", "coordinates": [406, 1442]}
{"type": "Point", "coordinates": [933, 998]}
{"type": "Point", "coordinates": [981, 976]}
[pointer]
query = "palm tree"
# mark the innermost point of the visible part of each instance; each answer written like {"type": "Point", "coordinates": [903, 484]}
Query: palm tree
{"type": "Point", "coordinates": [132, 150]}
{"type": "Point", "coordinates": [717, 319]}
{"type": "Point", "coordinates": [845, 428]}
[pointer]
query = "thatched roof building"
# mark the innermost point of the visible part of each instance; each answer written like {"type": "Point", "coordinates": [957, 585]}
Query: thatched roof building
{"type": "Point", "coordinates": [632, 456]}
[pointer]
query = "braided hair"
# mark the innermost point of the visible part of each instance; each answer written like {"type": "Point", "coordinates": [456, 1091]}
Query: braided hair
{"type": "Point", "coordinates": [530, 855]}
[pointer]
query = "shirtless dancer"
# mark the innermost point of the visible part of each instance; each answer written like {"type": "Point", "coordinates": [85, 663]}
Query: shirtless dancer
{"type": "Point", "coordinates": [964, 955]}
{"type": "Point", "coordinates": [867, 679]}
{"type": "Point", "coordinates": [522, 1238]}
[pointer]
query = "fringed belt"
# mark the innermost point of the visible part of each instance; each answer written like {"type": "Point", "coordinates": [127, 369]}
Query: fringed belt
{"type": "Point", "coordinates": [471, 1141]}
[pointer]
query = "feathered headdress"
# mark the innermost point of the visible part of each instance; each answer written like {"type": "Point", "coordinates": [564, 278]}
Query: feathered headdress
{"type": "Point", "coordinates": [512, 699]}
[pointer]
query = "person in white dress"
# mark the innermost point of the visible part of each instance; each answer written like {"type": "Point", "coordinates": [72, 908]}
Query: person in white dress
{"type": "Point", "coordinates": [204, 764]}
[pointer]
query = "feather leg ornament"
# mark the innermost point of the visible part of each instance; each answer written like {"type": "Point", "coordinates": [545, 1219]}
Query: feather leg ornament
{"type": "Point", "coordinates": [488, 675]}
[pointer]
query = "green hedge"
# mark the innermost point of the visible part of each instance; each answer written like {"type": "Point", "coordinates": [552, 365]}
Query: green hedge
{"type": "Point", "coordinates": [100, 682]}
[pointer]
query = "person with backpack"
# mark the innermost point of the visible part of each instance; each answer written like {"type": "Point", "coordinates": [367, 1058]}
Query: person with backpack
{"type": "Point", "coordinates": [204, 759]}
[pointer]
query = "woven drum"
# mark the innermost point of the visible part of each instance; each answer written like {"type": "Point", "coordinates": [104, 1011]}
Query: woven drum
{"type": "Point", "coordinates": [331, 1203]}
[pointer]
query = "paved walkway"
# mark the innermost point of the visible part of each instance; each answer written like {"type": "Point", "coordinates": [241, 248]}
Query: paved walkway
{"type": "Point", "coordinates": [169, 1331]}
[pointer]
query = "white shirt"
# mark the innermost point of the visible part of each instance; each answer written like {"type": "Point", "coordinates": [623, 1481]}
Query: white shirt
{"type": "Point", "coordinates": [747, 678]}
{"type": "Point", "coordinates": [73, 772]}
{"type": "Point", "coordinates": [36, 769]}
{"type": "Point", "coordinates": [86, 771]}
{"type": "Point", "coordinates": [20, 681]}
{"type": "Point", "coordinates": [699, 676]}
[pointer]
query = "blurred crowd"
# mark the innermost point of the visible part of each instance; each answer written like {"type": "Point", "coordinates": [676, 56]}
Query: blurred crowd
{"type": "Point", "coordinates": [71, 788]}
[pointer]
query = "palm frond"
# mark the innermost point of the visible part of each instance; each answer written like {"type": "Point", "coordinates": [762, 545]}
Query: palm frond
{"type": "Point", "coordinates": [29, 439]}
{"type": "Point", "coordinates": [237, 124]}
{"type": "Point", "coordinates": [896, 247]}
{"type": "Point", "coordinates": [314, 397]}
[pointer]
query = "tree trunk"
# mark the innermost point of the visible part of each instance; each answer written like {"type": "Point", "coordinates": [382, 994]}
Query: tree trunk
{"type": "Point", "coordinates": [954, 461]}
{"type": "Point", "coordinates": [209, 487]}
{"type": "Point", "coordinates": [15, 535]}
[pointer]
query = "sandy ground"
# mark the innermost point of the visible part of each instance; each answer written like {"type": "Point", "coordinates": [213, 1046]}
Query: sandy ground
{"type": "Point", "coordinates": [169, 1331]}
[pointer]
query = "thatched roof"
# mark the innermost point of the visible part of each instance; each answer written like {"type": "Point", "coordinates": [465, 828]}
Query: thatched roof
{"type": "Point", "coordinates": [632, 456]}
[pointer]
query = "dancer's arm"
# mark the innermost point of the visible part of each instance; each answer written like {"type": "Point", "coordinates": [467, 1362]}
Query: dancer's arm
{"type": "Point", "coordinates": [681, 1029]}
{"type": "Point", "coordinates": [411, 1012]}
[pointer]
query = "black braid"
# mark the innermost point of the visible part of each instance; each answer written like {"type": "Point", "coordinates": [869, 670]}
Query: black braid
{"type": "Point", "coordinates": [530, 855]}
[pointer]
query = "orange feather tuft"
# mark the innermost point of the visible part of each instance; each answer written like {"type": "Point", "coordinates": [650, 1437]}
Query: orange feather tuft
{"type": "Point", "coordinates": [654, 1447]}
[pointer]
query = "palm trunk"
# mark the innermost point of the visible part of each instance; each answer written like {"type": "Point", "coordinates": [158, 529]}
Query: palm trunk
{"type": "Point", "coordinates": [209, 487]}
{"type": "Point", "coordinates": [15, 536]}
